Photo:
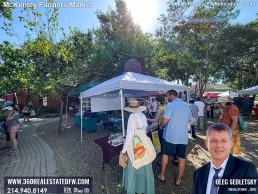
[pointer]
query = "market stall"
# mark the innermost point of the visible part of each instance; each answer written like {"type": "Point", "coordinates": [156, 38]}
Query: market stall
{"type": "Point", "coordinates": [113, 92]}
{"type": "Point", "coordinates": [251, 91]}
{"type": "Point", "coordinates": [229, 94]}
{"type": "Point", "coordinates": [75, 93]}
{"type": "Point", "coordinates": [109, 150]}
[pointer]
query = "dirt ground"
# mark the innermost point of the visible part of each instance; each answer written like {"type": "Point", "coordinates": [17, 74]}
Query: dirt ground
{"type": "Point", "coordinates": [74, 158]}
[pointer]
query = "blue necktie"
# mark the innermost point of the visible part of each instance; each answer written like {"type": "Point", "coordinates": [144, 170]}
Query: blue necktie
{"type": "Point", "coordinates": [214, 188]}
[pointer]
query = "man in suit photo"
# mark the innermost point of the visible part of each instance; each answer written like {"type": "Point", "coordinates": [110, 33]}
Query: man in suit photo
{"type": "Point", "coordinates": [219, 142]}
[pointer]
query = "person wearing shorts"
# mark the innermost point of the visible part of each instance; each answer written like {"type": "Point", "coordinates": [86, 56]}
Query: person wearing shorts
{"type": "Point", "coordinates": [8, 138]}
{"type": "Point", "coordinates": [13, 127]}
{"type": "Point", "coordinates": [170, 149]}
{"type": "Point", "coordinates": [175, 137]}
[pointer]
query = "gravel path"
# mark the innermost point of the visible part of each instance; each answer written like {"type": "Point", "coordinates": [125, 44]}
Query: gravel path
{"type": "Point", "coordinates": [74, 158]}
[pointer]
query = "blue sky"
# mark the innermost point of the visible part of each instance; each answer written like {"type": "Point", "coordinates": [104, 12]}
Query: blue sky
{"type": "Point", "coordinates": [145, 12]}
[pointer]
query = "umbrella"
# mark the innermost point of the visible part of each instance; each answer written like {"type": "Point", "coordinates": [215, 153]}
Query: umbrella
{"type": "Point", "coordinates": [211, 95]}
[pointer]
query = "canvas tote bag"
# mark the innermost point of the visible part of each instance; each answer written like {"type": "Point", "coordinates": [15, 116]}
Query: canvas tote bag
{"type": "Point", "coordinates": [140, 150]}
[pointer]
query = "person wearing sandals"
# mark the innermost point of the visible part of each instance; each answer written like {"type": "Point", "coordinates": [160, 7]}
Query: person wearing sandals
{"type": "Point", "coordinates": [13, 127]}
{"type": "Point", "coordinates": [175, 137]}
{"type": "Point", "coordinates": [136, 180]}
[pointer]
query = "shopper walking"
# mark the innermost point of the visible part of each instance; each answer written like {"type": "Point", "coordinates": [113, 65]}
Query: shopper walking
{"type": "Point", "coordinates": [201, 111]}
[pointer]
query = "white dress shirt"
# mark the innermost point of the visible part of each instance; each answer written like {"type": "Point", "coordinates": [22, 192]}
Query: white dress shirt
{"type": "Point", "coordinates": [132, 125]}
{"type": "Point", "coordinates": [212, 173]}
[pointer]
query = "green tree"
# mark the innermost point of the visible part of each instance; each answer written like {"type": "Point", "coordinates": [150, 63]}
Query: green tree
{"type": "Point", "coordinates": [176, 13]}
{"type": "Point", "coordinates": [200, 34]}
{"type": "Point", "coordinates": [177, 61]}
{"type": "Point", "coordinates": [15, 74]}
{"type": "Point", "coordinates": [5, 12]}
{"type": "Point", "coordinates": [237, 55]}
{"type": "Point", "coordinates": [118, 40]}
{"type": "Point", "coordinates": [50, 61]}
{"type": "Point", "coordinates": [191, 38]}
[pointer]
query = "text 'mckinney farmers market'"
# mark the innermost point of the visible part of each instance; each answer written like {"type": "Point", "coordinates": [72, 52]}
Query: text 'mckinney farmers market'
{"type": "Point", "coordinates": [71, 4]}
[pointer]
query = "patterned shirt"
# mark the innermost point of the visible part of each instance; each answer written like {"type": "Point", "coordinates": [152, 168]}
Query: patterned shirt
{"type": "Point", "coordinates": [226, 114]}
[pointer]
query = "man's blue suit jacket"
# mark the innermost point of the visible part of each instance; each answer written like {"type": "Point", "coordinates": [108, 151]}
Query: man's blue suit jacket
{"type": "Point", "coordinates": [235, 169]}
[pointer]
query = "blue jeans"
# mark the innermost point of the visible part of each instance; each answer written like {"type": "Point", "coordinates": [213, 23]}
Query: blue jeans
{"type": "Point", "coordinates": [160, 133]}
{"type": "Point", "coordinates": [193, 131]}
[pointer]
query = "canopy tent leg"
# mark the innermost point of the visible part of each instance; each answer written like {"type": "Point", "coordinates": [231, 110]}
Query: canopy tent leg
{"type": "Point", "coordinates": [81, 116]}
{"type": "Point", "coordinates": [122, 111]}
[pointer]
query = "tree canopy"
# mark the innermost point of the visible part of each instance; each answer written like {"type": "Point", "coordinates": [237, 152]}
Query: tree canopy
{"type": "Point", "coordinates": [200, 45]}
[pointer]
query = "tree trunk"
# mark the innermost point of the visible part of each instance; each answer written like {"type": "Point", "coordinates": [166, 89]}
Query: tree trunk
{"type": "Point", "coordinates": [28, 95]}
{"type": "Point", "coordinates": [202, 83]}
{"type": "Point", "coordinates": [60, 115]}
{"type": "Point", "coordinates": [253, 82]}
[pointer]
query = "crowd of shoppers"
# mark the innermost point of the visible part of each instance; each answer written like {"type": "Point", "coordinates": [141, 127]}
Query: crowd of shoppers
{"type": "Point", "coordinates": [174, 120]}
{"type": "Point", "coordinates": [222, 141]}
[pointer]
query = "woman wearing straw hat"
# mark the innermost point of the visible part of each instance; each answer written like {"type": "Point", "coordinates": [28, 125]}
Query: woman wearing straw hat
{"type": "Point", "coordinates": [229, 116]}
{"type": "Point", "coordinates": [137, 180]}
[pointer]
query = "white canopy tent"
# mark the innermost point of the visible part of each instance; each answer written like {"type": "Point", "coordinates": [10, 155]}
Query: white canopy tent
{"type": "Point", "coordinates": [252, 90]}
{"type": "Point", "coordinates": [229, 94]}
{"type": "Point", "coordinates": [129, 85]}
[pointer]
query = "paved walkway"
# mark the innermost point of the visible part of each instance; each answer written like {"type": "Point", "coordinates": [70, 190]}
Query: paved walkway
{"type": "Point", "coordinates": [35, 157]}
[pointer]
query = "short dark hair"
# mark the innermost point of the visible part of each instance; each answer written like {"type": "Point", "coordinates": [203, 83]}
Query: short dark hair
{"type": "Point", "coordinates": [219, 127]}
{"type": "Point", "coordinates": [191, 101]}
{"type": "Point", "coordinates": [229, 103]}
{"type": "Point", "coordinates": [173, 92]}
{"type": "Point", "coordinates": [161, 100]}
